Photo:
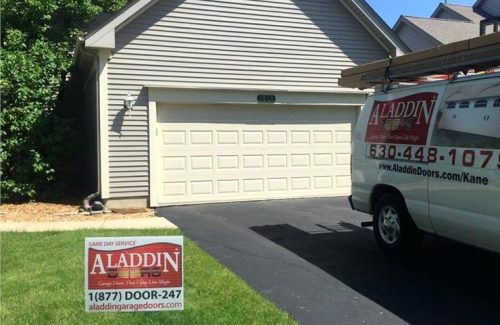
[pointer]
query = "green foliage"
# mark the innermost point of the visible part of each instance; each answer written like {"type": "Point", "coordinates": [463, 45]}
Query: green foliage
{"type": "Point", "coordinates": [37, 123]}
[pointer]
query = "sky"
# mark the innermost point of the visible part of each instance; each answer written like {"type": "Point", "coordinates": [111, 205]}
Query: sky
{"type": "Point", "coordinates": [390, 10]}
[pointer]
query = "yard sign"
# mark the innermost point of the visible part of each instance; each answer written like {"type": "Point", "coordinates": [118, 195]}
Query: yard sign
{"type": "Point", "coordinates": [134, 274]}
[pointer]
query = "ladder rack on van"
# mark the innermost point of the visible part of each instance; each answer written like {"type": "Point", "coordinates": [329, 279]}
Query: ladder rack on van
{"type": "Point", "coordinates": [478, 53]}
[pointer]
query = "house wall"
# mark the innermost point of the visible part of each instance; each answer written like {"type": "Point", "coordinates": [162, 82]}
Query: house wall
{"type": "Point", "coordinates": [90, 132]}
{"type": "Point", "coordinates": [414, 40]}
{"type": "Point", "coordinates": [252, 44]}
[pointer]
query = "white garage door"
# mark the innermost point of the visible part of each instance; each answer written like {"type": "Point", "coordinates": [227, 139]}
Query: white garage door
{"type": "Point", "coordinates": [236, 153]}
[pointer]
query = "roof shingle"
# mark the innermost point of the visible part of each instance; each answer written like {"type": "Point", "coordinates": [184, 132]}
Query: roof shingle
{"type": "Point", "coordinates": [444, 30]}
{"type": "Point", "coordinates": [465, 11]}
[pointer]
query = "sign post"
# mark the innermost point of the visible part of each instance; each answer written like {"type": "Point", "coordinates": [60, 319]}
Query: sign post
{"type": "Point", "coordinates": [130, 274]}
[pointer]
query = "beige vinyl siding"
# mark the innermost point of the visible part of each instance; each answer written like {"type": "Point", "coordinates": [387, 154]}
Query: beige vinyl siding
{"type": "Point", "coordinates": [413, 39]}
{"type": "Point", "coordinates": [281, 43]}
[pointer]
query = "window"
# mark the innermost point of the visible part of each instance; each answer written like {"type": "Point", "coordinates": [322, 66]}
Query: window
{"type": "Point", "coordinates": [464, 105]}
{"type": "Point", "coordinates": [451, 105]}
{"type": "Point", "coordinates": [496, 103]}
{"type": "Point", "coordinates": [481, 103]}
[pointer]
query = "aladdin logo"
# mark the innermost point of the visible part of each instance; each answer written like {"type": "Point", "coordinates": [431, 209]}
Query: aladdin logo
{"type": "Point", "coordinates": [127, 268]}
{"type": "Point", "coordinates": [404, 120]}
{"type": "Point", "coordinates": [130, 265]}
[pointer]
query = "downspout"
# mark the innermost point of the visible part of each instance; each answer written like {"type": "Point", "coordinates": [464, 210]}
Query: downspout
{"type": "Point", "coordinates": [97, 205]}
{"type": "Point", "coordinates": [97, 121]}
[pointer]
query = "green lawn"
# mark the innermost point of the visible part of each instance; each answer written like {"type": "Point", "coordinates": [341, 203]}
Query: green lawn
{"type": "Point", "coordinates": [42, 283]}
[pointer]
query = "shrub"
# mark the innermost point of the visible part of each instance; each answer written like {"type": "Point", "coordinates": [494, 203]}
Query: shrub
{"type": "Point", "coordinates": [38, 133]}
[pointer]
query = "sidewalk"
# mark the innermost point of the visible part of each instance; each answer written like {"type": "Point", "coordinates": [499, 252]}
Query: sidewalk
{"type": "Point", "coordinates": [140, 223]}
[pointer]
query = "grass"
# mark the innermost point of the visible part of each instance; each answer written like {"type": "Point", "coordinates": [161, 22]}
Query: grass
{"type": "Point", "coordinates": [42, 283]}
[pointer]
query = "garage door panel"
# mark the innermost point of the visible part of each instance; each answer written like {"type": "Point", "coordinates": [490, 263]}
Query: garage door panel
{"type": "Point", "coordinates": [322, 137]}
{"type": "Point", "coordinates": [252, 161]}
{"type": "Point", "coordinates": [174, 163]}
{"type": "Point", "coordinates": [224, 158]}
{"type": "Point", "coordinates": [172, 189]}
{"type": "Point", "coordinates": [277, 184]}
{"type": "Point", "coordinates": [227, 137]}
{"type": "Point", "coordinates": [343, 159]}
{"type": "Point", "coordinates": [202, 187]}
{"type": "Point", "coordinates": [228, 186]}
{"type": "Point", "coordinates": [174, 137]}
{"type": "Point", "coordinates": [343, 181]}
{"type": "Point", "coordinates": [323, 182]}
{"type": "Point", "coordinates": [343, 136]}
{"type": "Point", "coordinates": [343, 148]}
{"type": "Point", "coordinates": [201, 163]}
{"type": "Point", "coordinates": [299, 160]}
{"type": "Point", "coordinates": [321, 159]}
{"type": "Point", "coordinates": [200, 137]}
{"type": "Point", "coordinates": [277, 137]}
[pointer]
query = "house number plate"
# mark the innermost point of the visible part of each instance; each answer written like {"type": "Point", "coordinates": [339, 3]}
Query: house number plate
{"type": "Point", "coordinates": [266, 98]}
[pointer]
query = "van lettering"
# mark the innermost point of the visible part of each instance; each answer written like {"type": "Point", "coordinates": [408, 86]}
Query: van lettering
{"type": "Point", "coordinates": [374, 117]}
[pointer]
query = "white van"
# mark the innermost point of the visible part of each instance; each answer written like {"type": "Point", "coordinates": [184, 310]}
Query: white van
{"type": "Point", "coordinates": [426, 158]}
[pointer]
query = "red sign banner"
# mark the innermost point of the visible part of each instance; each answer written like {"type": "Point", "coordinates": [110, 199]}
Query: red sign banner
{"type": "Point", "coordinates": [404, 120]}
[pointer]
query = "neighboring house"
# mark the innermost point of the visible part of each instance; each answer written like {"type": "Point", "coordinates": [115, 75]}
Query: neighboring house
{"type": "Point", "coordinates": [449, 23]}
{"type": "Point", "coordinates": [234, 100]}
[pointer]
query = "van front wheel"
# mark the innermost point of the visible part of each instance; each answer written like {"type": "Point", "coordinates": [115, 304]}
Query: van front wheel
{"type": "Point", "coordinates": [394, 229]}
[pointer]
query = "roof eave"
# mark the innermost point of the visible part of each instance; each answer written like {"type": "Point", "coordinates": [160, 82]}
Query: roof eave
{"type": "Point", "coordinates": [477, 9]}
{"type": "Point", "coordinates": [443, 6]}
{"type": "Point", "coordinates": [419, 30]}
{"type": "Point", "coordinates": [398, 23]}
{"type": "Point", "coordinates": [104, 37]}
{"type": "Point", "coordinates": [376, 26]}
{"type": "Point", "coordinates": [438, 8]}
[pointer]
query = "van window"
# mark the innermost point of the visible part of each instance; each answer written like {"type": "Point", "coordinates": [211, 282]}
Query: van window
{"type": "Point", "coordinates": [481, 103]}
{"type": "Point", "coordinates": [464, 105]}
{"type": "Point", "coordinates": [467, 128]}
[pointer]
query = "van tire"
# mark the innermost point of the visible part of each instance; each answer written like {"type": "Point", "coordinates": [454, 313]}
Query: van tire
{"type": "Point", "coordinates": [394, 229]}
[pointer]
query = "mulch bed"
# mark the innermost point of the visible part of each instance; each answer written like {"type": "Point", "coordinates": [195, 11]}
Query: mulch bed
{"type": "Point", "coordinates": [38, 212]}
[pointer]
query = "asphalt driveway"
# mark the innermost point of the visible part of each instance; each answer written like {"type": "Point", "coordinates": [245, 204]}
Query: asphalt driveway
{"type": "Point", "coordinates": [312, 259]}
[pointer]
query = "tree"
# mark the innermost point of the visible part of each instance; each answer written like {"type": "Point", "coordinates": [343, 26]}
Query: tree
{"type": "Point", "coordinates": [37, 123]}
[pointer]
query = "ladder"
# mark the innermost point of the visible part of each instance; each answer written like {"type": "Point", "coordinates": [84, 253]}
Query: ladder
{"type": "Point", "coordinates": [479, 53]}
